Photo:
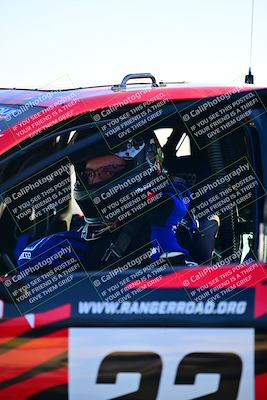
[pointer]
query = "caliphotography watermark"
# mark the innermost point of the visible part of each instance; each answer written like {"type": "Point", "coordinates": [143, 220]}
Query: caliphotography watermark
{"type": "Point", "coordinates": [43, 277]}
{"type": "Point", "coordinates": [150, 108]}
{"type": "Point", "coordinates": [208, 120]}
{"type": "Point", "coordinates": [232, 188]}
{"type": "Point", "coordinates": [133, 276]}
{"type": "Point", "coordinates": [136, 193]}
{"type": "Point", "coordinates": [223, 279]}
{"type": "Point", "coordinates": [48, 191]}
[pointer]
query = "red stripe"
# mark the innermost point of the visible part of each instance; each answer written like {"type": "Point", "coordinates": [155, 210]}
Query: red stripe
{"type": "Point", "coordinates": [12, 328]}
{"type": "Point", "coordinates": [32, 353]}
{"type": "Point", "coordinates": [29, 387]}
{"type": "Point", "coordinates": [54, 315]}
{"type": "Point", "coordinates": [211, 276]}
{"type": "Point", "coordinates": [18, 326]}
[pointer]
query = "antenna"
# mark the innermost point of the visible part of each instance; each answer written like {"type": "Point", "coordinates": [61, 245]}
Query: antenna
{"type": "Point", "coordinates": [250, 78]}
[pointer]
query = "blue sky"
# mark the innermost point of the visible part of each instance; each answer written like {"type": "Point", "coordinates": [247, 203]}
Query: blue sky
{"type": "Point", "coordinates": [70, 43]}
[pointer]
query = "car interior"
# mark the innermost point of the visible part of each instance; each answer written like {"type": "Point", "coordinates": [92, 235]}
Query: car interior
{"type": "Point", "coordinates": [182, 158]}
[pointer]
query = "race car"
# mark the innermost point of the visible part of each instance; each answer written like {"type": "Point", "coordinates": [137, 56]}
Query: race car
{"type": "Point", "coordinates": [137, 328]}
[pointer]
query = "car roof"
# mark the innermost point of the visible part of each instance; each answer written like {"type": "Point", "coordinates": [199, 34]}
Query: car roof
{"type": "Point", "coordinates": [25, 112]}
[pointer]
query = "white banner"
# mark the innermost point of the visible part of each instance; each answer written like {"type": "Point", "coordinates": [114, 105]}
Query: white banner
{"type": "Point", "coordinates": [161, 363]}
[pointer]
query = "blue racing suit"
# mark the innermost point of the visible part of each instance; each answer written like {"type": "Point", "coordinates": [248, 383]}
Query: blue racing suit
{"type": "Point", "coordinates": [160, 224]}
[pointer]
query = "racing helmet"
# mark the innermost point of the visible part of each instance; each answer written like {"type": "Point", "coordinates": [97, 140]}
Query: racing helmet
{"type": "Point", "coordinates": [136, 154]}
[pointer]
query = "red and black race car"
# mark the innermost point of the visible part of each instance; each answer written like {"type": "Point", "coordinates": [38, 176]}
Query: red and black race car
{"type": "Point", "coordinates": [190, 331]}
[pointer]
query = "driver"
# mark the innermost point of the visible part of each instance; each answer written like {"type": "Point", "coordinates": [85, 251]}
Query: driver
{"type": "Point", "coordinates": [99, 240]}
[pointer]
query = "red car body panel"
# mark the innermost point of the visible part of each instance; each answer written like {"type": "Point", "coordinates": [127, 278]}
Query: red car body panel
{"type": "Point", "coordinates": [80, 101]}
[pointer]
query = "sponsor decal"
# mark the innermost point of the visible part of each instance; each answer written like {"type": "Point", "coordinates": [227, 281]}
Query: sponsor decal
{"type": "Point", "coordinates": [163, 307]}
{"type": "Point", "coordinates": [145, 363]}
{"type": "Point", "coordinates": [209, 279]}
